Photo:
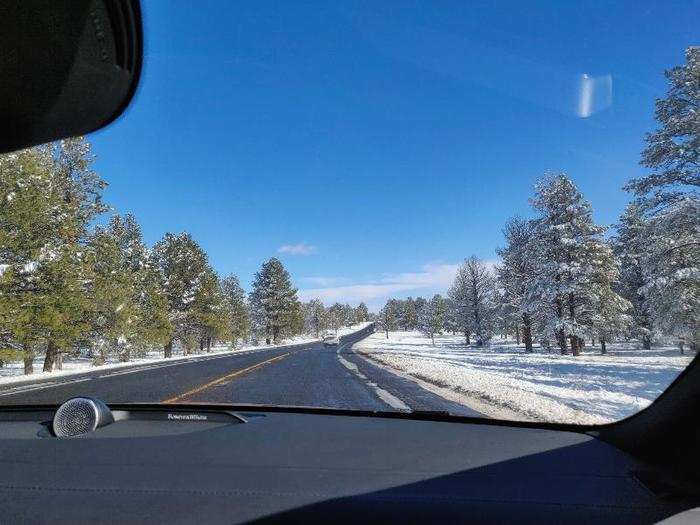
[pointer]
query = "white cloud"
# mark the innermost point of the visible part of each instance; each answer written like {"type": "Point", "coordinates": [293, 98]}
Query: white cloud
{"type": "Point", "coordinates": [297, 249]}
{"type": "Point", "coordinates": [323, 282]}
{"type": "Point", "coordinates": [431, 279]}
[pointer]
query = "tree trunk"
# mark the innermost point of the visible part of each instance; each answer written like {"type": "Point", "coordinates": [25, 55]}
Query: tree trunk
{"type": "Point", "coordinates": [575, 348]}
{"type": "Point", "coordinates": [467, 337]}
{"type": "Point", "coordinates": [603, 348]}
{"type": "Point", "coordinates": [561, 340]}
{"type": "Point", "coordinates": [432, 338]}
{"type": "Point", "coordinates": [208, 344]}
{"type": "Point", "coordinates": [51, 352]}
{"type": "Point", "coordinates": [201, 345]}
{"type": "Point", "coordinates": [517, 334]}
{"type": "Point", "coordinates": [527, 332]}
{"type": "Point", "coordinates": [592, 340]}
{"type": "Point", "coordinates": [59, 360]}
{"type": "Point", "coordinates": [168, 349]}
{"type": "Point", "coordinates": [387, 333]}
{"type": "Point", "coordinates": [681, 347]}
{"type": "Point", "coordinates": [28, 359]}
{"type": "Point", "coordinates": [646, 342]}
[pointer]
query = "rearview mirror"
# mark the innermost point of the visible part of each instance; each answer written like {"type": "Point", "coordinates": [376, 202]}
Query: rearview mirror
{"type": "Point", "coordinates": [67, 67]}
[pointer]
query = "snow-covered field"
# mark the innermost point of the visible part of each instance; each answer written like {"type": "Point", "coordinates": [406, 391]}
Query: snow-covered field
{"type": "Point", "coordinates": [13, 372]}
{"type": "Point", "coordinates": [504, 381]}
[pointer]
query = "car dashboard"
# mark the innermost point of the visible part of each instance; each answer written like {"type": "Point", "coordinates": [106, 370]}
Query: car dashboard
{"type": "Point", "coordinates": [182, 464]}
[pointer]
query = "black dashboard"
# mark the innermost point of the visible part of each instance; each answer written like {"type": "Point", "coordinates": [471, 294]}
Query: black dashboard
{"type": "Point", "coordinates": [179, 465]}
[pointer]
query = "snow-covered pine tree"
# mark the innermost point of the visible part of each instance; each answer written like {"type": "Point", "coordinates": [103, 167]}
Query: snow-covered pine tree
{"type": "Point", "coordinates": [315, 317]}
{"type": "Point", "coordinates": [629, 246]}
{"type": "Point", "coordinates": [388, 318]}
{"type": "Point", "coordinates": [670, 201]}
{"type": "Point", "coordinates": [450, 323]}
{"type": "Point", "coordinates": [238, 314]}
{"type": "Point", "coordinates": [334, 316]}
{"type": "Point", "coordinates": [516, 272]}
{"type": "Point", "coordinates": [348, 315]}
{"type": "Point", "coordinates": [361, 313]}
{"type": "Point", "coordinates": [408, 315]}
{"type": "Point", "coordinates": [473, 293]}
{"type": "Point", "coordinates": [432, 318]}
{"type": "Point", "coordinates": [575, 268]}
{"type": "Point", "coordinates": [272, 300]}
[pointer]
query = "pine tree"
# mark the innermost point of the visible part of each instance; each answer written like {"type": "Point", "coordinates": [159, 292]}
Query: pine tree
{"type": "Point", "coordinates": [389, 316]}
{"type": "Point", "coordinates": [50, 196]}
{"type": "Point", "coordinates": [629, 246]}
{"type": "Point", "coordinates": [670, 201]}
{"type": "Point", "coordinates": [335, 316]}
{"type": "Point", "coordinates": [432, 317]}
{"type": "Point", "coordinates": [272, 300]}
{"type": "Point", "coordinates": [473, 294]}
{"type": "Point", "coordinates": [409, 315]}
{"type": "Point", "coordinates": [515, 275]}
{"type": "Point", "coordinates": [361, 313]}
{"type": "Point", "coordinates": [239, 316]}
{"type": "Point", "coordinates": [210, 312]}
{"type": "Point", "coordinates": [575, 268]}
{"type": "Point", "coordinates": [112, 292]}
{"type": "Point", "coordinates": [184, 268]}
{"type": "Point", "coordinates": [315, 317]}
{"type": "Point", "coordinates": [451, 324]}
{"type": "Point", "coordinates": [347, 315]}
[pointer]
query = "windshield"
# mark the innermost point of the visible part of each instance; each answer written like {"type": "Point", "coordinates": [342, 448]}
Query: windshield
{"type": "Point", "coordinates": [485, 209]}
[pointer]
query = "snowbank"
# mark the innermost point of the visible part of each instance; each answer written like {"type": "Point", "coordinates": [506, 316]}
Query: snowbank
{"type": "Point", "coordinates": [590, 388]}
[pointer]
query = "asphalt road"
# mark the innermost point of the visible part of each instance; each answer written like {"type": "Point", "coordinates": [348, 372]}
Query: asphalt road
{"type": "Point", "coordinates": [306, 375]}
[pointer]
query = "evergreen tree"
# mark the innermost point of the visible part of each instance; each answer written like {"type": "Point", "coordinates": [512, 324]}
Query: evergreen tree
{"type": "Point", "coordinates": [473, 294]}
{"type": "Point", "coordinates": [347, 315]}
{"type": "Point", "coordinates": [409, 314]}
{"type": "Point", "coordinates": [237, 309]}
{"type": "Point", "coordinates": [432, 317]}
{"type": "Point", "coordinates": [629, 246]}
{"type": "Point", "coordinates": [361, 313]}
{"type": "Point", "coordinates": [185, 272]}
{"type": "Point", "coordinates": [575, 268]}
{"type": "Point", "coordinates": [450, 324]}
{"type": "Point", "coordinates": [210, 313]}
{"type": "Point", "coordinates": [50, 196]}
{"type": "Point", "coordinates": [272, 300]}
{"type": "Point", "coordinates": [670, 201]}
{"type": "Point", "coordinates": [335, 316]}
{"type": "Point", "coordinates": [315, 317]}
{"type": "Point", "coordinates": [515, 275]}
{"type": "Point", "coordinates": [389, 316]}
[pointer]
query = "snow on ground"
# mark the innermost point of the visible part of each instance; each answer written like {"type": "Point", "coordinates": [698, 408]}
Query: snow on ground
{"type": "Point", "coordinates": [13, 372]}
{"type": "Point", "coordinates": [544, 385]}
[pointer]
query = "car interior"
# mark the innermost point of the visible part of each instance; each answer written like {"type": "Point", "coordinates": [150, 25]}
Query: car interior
{"type": "Point", "coordinates": [71, 67]}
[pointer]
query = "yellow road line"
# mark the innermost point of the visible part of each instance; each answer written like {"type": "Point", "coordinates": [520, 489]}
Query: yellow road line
{"type": "Point", "coordinates": [223, 378]}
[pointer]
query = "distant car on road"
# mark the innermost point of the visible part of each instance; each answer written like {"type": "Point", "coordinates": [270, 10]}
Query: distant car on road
{"type": "Point", "coordinates": [331, 340]}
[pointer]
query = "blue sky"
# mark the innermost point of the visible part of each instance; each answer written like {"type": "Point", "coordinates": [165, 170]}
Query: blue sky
{"type": "Point", "coordinates": [374, 145]}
